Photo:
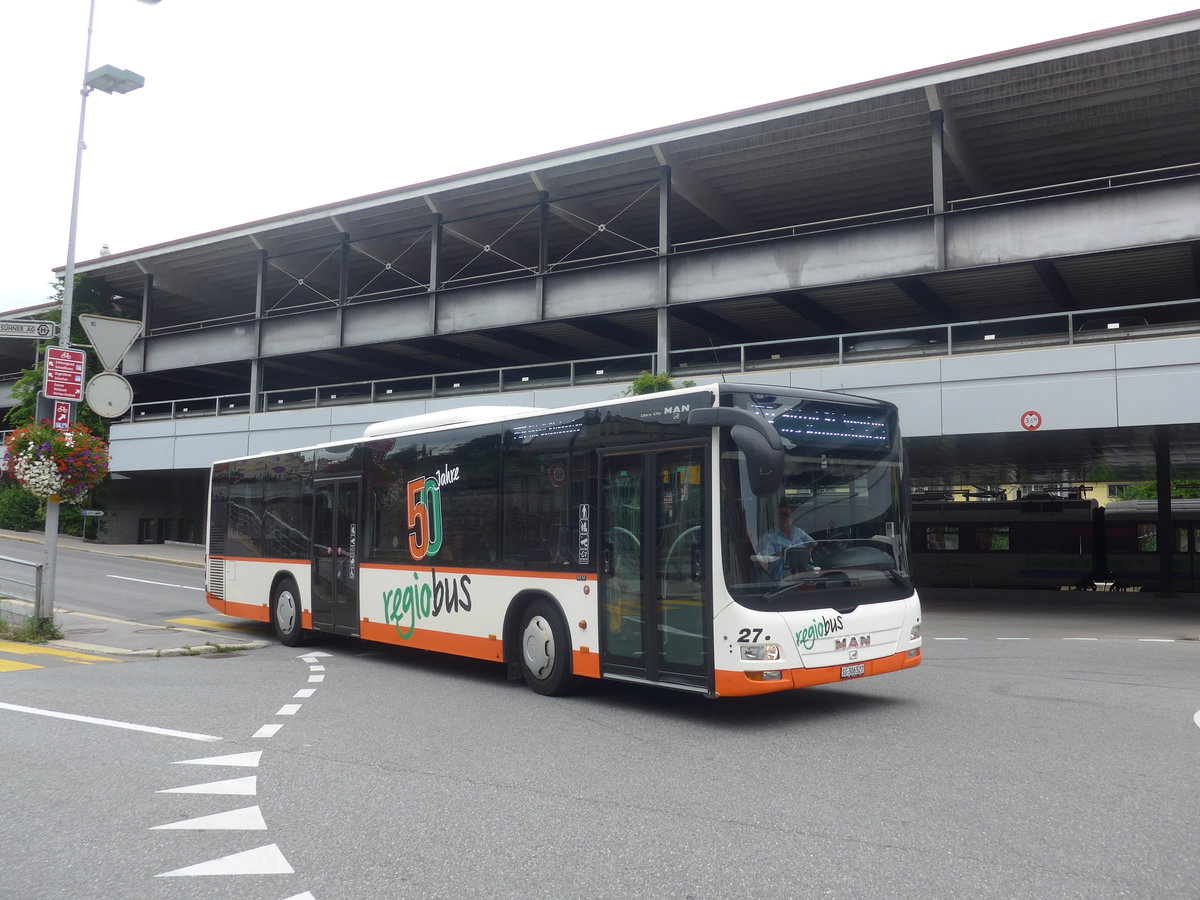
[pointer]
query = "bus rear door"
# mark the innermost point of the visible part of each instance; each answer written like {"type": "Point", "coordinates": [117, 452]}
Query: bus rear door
{"type": "Point", "coordinates": [336, 546]}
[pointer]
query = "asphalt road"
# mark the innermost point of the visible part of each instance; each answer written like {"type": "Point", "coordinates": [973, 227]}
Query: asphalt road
{"type": "Point", "coordinates": [1055, 763]}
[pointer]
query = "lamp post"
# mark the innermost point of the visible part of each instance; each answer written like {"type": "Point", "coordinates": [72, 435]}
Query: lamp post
{"type": "Point", "coordinates": [108, 79]}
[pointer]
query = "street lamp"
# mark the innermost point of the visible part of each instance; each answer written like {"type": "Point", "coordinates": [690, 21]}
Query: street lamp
{"type": "Point", "coordinates": [108, 79]}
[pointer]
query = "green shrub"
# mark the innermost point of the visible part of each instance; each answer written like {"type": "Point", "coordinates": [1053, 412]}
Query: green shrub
{"type": "Point", "coordinates": [20, 510]}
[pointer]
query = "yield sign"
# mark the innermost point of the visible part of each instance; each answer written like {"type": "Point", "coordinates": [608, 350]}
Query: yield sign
{"type": "Point", "coordinates": [110, 338]}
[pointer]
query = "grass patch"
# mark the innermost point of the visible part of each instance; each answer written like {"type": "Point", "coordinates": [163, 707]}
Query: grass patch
{"type": "Point", "coordinates": [32, 631]}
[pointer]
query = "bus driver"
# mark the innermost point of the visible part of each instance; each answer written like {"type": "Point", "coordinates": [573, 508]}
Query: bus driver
{"type": "Point", "coordinates": [779, 539]}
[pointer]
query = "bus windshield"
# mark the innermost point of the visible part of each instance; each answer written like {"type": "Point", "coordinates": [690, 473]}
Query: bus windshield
{"type": "Point", "coordinates": [833, 535]}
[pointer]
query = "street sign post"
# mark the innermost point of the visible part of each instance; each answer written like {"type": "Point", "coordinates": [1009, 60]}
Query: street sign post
{"type": "Point", "coordinates": [64, 374]}
{"type": "Point", "coordinates": [21, 328]}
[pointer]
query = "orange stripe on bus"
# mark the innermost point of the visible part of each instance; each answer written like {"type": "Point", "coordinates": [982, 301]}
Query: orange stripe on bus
{"type": "Point", "coordinates": [737, 684]}
{"type": "Point", "coordinates": [423, 639]}
{"type": "Point", "coordinates": [246, 611]}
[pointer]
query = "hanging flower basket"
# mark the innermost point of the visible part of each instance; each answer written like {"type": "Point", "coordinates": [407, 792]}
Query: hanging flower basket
{"type": "Point", "coordinates": [63, 463]}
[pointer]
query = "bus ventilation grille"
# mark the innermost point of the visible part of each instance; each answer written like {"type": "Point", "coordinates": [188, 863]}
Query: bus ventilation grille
{"type": "Point", "coordinates": [216, 578]}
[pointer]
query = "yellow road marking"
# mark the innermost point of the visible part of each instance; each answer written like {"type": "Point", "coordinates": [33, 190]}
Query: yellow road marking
{"type": "Point", "coordinates": [42, 650]}
{"type": "Point", "coordinates": [8, 665]}
{"type": "Point", "coordinates": [238, 625]}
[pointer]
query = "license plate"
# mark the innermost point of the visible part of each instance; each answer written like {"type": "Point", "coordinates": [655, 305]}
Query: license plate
{"type": "Point", "coordinates": [853, 671]}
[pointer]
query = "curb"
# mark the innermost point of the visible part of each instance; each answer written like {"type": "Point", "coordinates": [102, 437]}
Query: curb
{"type": "Point", "coordinates": [193, 650]}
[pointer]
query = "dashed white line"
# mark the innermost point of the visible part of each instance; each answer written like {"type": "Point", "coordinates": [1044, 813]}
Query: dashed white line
{"type": "Point", "coordinates": [305, 692]}
{"type": "Point", "coordinates": [246, 786]}
{"type": "Point", "coordinates": [949, 639]}
{"type": "Point", "coordinates": [268, 860]}
{"type": "Point", "coordinates": [233, 759]}
{"type": "Point", "coordinates": [1081, 639]}
{"type": "Point", "coordinates": [316, 668]}
{"type": "Point", "coordinates": [312, 679]}
{"type": "Point", "coordinates": [1012, 639]}
{"type": "Point", "coordinates": [248, 819]}
{"type": "Point", "coordinates": [267, 731]}
{"type": "Point", "coordinates": [289, 709]}
{"type": "Point", "coordinates": [1156, 640]}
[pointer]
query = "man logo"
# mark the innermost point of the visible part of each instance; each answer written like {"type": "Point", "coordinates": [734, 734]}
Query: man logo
{"type": "Point", "coordinates": [862, 640]}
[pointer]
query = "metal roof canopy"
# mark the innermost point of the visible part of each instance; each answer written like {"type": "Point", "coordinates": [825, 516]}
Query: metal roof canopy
{"type": "Point", "coordinates": [1110, 102]}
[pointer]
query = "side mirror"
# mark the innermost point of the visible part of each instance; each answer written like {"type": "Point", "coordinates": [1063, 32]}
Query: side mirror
{"type": "Point", "coordinates": [756, 438]}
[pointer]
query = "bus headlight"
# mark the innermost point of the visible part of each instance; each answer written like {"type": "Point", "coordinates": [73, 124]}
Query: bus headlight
{"type": "Point", "coordinates": [760, 652]}
{"type": "Point", "coordinates": [915, 634]}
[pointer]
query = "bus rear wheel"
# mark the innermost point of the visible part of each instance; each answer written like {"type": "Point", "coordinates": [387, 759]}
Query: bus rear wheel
{"type": "Point", "coordinates": [545, 649]}
{"type": "Point", "coordinates": [285, 614]}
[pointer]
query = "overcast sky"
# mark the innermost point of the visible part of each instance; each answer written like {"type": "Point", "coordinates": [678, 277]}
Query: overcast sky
{"type": "Point", "coordinates": [253, 108]}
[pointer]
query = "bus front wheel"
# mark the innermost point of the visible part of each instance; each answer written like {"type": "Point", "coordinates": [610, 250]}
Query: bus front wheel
{"type": "Point", "coordinates": [285, 614]}
{"type": "Point", "coordinates": [545, 649]}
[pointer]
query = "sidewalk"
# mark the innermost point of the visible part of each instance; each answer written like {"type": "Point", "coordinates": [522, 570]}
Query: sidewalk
{"type": "Point", "coordinates": [106, 636]}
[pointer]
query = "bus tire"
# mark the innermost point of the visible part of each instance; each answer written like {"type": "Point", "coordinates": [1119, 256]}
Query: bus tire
{"type": "Point", "coordinates": [544, 649]}
{"type": "Point", "coordinates": [285, 614]}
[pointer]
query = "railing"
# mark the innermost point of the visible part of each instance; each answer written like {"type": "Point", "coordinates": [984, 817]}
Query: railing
{"type": "Point", "coordinates": [604, 370]}
{"type": "Point", "coordinates": [1151, 320]}
{"type": "Point", "coordinates": [20, 589]}
{"type": "Point", "coordinates": [1114, 323]}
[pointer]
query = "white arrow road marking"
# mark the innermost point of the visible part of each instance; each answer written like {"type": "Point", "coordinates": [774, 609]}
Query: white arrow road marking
{"type": "Point", "coordinates": [248, 819]}
{"type": "Point", "coordinates": [307, 895]}
{"type": "Point", "coordinates": [233, 759]}
{"type": "Point", "coordinates": [91, 720]}
{"type": "Point", "coordinates": [1196, 718]}
{"type": "Point", "coordinates": [247, 786]}
{"type": "Point", "coordinates": [268, 860]}
{"type": "Point", "coordinates": [314, 656]}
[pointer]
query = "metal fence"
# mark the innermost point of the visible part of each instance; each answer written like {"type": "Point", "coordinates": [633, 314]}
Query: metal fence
{"type": "Point", "coordinates": [20, 589]}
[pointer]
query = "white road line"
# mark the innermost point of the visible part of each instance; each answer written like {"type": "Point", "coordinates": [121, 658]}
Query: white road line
{"type": "Point", "coordinates": [1012, 639]}
{"type": "Point", "coordinates": [1156, 640]}
{"type": "Point", "coordinates": [268, 860]}
{"type": "Point", "coordinates": [267, 731]}
{"type": "Point", "coordinates": [950, 639]}
{"type": "Point", "coordinates": [305, 692]}
{"type": "Point", "coordinates": [129, 726]}
{"type": "Point", "coordinates": [289, 709]}
{"type": "Point", "coordinates": [1196, 718]}
{"type": "Point", "coordinates": [186, 587]}
{"type": "Point", "coordinates": [246, 786]}
{"type": "Point", "coordinates": [1081, 639]}
{"type": "Point", "coordinates": [313, 679]}
{"type": "Point", "coordinates": [233, 759]}
{"type": "Point", "coordinates": [316, 668]}
{"type": "Point", "coordinates": [248, 819]}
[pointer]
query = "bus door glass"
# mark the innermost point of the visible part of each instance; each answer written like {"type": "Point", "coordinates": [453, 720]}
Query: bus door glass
{"type": "Point", "coordinates": [655, 604]}
{"type": "Point", "coordinates": [336, 544]}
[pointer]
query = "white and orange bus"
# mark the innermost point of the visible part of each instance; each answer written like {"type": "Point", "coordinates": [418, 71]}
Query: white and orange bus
{"type": "Point", "coordinates": [629, 539]}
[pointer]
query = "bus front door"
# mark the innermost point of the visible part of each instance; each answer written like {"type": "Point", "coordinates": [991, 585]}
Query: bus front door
{"type": "Point", "coordinates": [656, 608]}
{"type": "Point", "coordinates": [335, 549]}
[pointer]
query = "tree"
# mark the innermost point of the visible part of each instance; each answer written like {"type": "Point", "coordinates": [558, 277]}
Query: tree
{"type": "Point", "coordinates": [652, 383]}
{"type": "Point", "coordinates": [1148, 490]}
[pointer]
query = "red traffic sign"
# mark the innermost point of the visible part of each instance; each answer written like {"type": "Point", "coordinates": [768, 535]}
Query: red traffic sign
{"type": "Point", "coordinates": [1031, 420]}
{"type": "Point", "coordinates": [62, 414]}
{"type": "Point", "coordinates": [64, 374]}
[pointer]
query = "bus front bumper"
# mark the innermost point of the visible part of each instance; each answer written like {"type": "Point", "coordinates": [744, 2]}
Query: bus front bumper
{"type": "Point", "coordinates": [746, 684]}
